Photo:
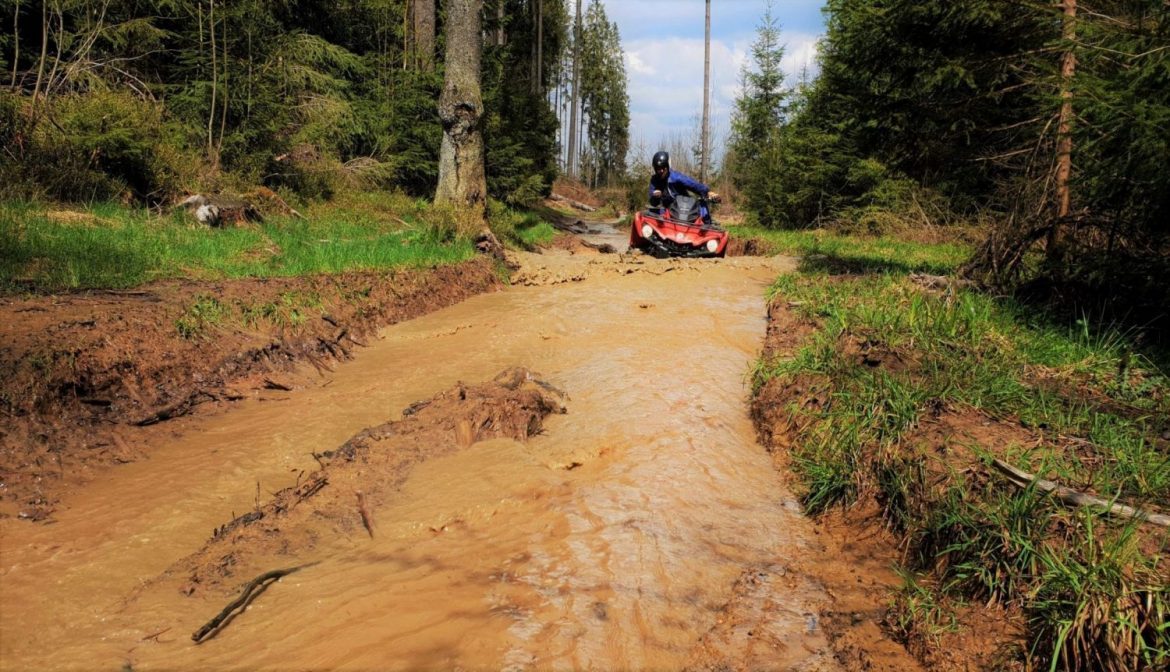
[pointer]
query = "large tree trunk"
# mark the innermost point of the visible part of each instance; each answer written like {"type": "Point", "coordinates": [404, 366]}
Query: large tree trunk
{"type": "Point", "coordinates": [462, 183]}
{"type": "Point", "coordinates": [705, 143]}
{"type": "Point", "coordinates": [575, 96]}
{"type": "Point", "coordinates": [424, 35]}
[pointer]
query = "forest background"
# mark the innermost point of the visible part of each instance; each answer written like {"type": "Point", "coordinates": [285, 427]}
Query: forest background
{"type": "Point", "coordinates": [1043, 128]}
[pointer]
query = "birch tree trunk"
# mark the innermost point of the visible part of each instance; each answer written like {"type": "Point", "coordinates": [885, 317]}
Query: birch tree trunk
{"type": "Point", "coordinates": [462, 182]}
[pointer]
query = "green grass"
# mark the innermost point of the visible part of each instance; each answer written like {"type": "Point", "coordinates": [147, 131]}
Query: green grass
{"type": "Point", "coordinates": [526, 230]}
{"type": "Point", "coordinates": [109, 246]}
{"type": "Point", "coordinates": [822, 250]}
{"type": "Point", "coordinates": [1088, 407]}
{"type": "Point", "coordinates": [201, 317]}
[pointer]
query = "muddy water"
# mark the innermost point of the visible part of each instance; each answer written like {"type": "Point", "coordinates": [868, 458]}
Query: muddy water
{"type": "Point", "coordinates": [620, 538]}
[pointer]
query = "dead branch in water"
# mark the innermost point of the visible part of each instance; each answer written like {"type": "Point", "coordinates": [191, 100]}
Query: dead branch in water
{"type": "Point", "coordinates": [251, 591]}
{"type": "Point", "coordinates": [367, 521]}
{"type": "Point", "coordinates": [1072, 497]}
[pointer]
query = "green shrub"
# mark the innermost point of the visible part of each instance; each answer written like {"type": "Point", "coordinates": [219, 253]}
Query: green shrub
{"type": "Point", "coordinates": [100, 145]}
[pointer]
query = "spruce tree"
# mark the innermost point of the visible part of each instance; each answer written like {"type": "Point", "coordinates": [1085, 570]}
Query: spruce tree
{"type": "Point", "coordinates": [755, 125]}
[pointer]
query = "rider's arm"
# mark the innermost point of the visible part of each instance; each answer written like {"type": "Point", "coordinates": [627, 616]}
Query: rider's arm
{"type": "Point", "coordinates": [654, 200]}
{"type": "Point", "coordinates": [690, 183]}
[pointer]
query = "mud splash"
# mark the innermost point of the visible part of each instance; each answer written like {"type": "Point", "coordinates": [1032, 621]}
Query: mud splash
{"type": "Point", "coordinates": [644, 528]}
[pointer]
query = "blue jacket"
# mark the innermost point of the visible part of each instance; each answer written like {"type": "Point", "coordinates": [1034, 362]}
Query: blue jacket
{"type": "Point", "coordinates": [673, 184]}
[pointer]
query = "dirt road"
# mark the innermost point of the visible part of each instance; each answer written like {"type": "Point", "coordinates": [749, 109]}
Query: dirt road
{"type": "Point", "coordinates": [643, 528]}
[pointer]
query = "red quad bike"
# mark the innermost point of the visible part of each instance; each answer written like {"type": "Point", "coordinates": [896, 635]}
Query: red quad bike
{"type": "Point", "coordinates": [677, 231]}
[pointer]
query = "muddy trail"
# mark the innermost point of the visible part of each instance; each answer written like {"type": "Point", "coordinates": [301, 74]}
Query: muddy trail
{"type": "Point", "coordinates": [559, 475]}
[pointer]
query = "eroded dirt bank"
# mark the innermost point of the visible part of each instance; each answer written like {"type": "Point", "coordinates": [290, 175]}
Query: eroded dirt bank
{"type": "Point", "coordinates": [643, 528]}
{"type": "Point", "coordinates": [86, 375]}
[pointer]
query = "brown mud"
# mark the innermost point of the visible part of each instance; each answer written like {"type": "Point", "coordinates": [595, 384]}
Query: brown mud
{"type": "Point", "coordinates": [562, 474]}
{"type": "Point", "coordinates": [85, 372]}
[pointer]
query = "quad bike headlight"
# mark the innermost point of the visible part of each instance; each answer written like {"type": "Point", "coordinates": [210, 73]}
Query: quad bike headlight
{"type": "Point", "coordinates": [647, 231]}
{"type": "Point", "coordinates": [712, 245]}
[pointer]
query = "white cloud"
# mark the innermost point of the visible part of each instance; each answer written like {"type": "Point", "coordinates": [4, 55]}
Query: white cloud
{"type": "Point", "coordinates": [636, 66]}
{"type": "Point", "coordinates": [666, 83]}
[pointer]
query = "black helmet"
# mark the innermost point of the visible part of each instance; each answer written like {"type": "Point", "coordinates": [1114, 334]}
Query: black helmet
{"type": "Point", "coordinates": [660, 160]}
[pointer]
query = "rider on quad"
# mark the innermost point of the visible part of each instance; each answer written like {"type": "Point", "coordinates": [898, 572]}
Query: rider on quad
{"type": "Point", "coordinates": [665, 184]}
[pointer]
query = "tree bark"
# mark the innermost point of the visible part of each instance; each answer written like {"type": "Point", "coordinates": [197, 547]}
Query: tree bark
{"type": "Point", "coordinates": [705, 142]}
{"type": "Point", "coordinates": [575, 96]}
{"type": "Point", "coordinates": [462, 182]}
{"type": "Point", "coordinates": [540, 46]}
{"type": "Point", "coordinates": [424, 35]}
{"type": "Point", "coordinates": [1064, 135]}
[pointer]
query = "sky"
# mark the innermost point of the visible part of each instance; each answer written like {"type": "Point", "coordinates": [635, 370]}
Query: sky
{"type": "Point", "coordinates": [663, 44]}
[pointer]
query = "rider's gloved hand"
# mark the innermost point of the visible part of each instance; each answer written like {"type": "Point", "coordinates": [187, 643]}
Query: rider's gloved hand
{"type": "Point", "coordinates": [657, 193]}
{"type": "Point", "coordinates": [713, 197]}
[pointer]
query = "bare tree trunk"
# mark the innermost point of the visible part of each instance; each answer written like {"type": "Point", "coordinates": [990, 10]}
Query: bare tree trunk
{"type": "Point", "coordinates": [407, 36]}
{"type": "Point", "coordinates": [424, 34]}
{"type": "Point", "coordinates": [705, 142]}
{"type": "Point", "coordinates": [462, 182]}
{"type": "Point", "coordinates": [540, 46]}
{"type": "Point", "coordinates": [214, 90]}
{"type": "Point", "coordinates": [226, 91]}
{"type": "Point", "coordinates": [59, 41]}
{"type": "Point", "coordinates": [15, 41]}
{"type": "Point", "coordinates": [1064, 135]}
{"type": "Point", "coordinates": [575, 97]}
{"type": "Point", "coordinates": [500, 36]}
{"type": "Point", "coordinates": [44, 49]}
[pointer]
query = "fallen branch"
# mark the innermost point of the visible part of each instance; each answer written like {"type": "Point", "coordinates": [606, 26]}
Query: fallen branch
{"type": "Point", "coordinates": [154, 636]}
{"type": "Point", "coordinates": [177, 409]}
{"type": "Point", "coordinates": [576, 204]}
{"type": "Point", "coordinates": [251, 591]}
{"type": "Point", "coordinates": [367, 521]}
{"type": "Point", "coordinates": [1075, 498]}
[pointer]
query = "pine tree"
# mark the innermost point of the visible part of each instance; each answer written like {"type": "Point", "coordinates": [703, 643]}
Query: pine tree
{"type": "Point", "coordinates": [604, 97]}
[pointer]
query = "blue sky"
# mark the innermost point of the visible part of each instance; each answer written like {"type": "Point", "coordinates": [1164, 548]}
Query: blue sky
{"type": "Point", "coordinates": [663, 44]}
